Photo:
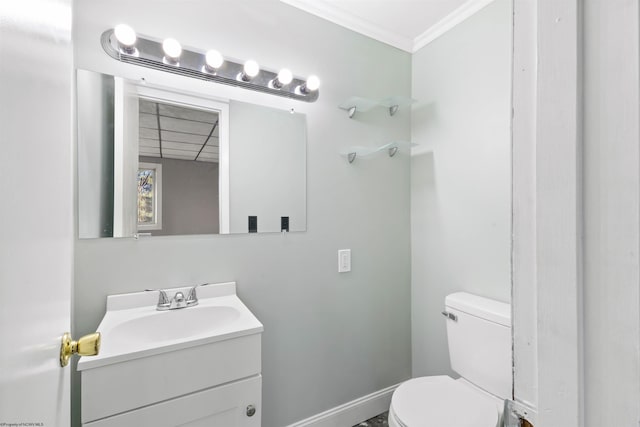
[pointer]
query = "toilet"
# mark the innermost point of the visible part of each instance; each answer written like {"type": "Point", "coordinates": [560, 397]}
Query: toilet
{"type": "Point", "coordinates": [479, 338]}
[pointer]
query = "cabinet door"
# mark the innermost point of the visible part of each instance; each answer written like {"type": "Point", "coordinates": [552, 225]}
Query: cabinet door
{"type": "Point", "coordinates": [224, 406]}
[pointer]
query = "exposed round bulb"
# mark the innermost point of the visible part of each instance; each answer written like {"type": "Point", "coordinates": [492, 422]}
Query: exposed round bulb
{"type": "Point", "coordinates": [172, 48]}
{"type": "Point", "coordinates": [285, 77]}
{"type": "Point", "coordinates": [214, 59]}
{"type": "Point", "coordinates": [251, 68]}
{"type": "Point", "coordinates": [313, 83]}
{"type": "Point", "coordinates": [125, 35]}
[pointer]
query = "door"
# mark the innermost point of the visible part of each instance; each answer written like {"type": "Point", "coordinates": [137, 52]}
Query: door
{"type": "Point", "coordinates": [36, 209]}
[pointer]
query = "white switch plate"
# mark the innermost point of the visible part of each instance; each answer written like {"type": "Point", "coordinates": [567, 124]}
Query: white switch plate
{"type": "Point", "coordinates": [344, 260]}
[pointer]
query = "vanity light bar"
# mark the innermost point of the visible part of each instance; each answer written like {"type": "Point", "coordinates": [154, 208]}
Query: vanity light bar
{"type": "Point", "coordinates": [171, 57]}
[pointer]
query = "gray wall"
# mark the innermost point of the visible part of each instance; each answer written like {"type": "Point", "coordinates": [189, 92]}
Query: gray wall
{"type": "Point", "coordinates": [189, 197]}
{"type": "Point", "coordinates": [329, 337]}
{"type": "Point", "coordinates": [460, 175]}
{"type": "Point", "coordinates": [267, 167]}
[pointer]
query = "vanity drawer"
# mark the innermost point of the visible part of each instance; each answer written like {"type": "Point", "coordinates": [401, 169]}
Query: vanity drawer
{"type": "Point", "coordinates": [223, 406]}
{"type": "Point", "coordinates": [125, 386]}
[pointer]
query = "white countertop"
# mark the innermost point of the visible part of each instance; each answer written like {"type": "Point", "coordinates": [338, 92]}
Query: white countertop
{"type": "Point", "coordinates": [132, 328]}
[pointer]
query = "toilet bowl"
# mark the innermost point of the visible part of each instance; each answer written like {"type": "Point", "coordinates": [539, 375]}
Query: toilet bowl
{"type": "Point", "coordinates": [442, 401]}
{"type": "Point", "coordinates": [479, 337]}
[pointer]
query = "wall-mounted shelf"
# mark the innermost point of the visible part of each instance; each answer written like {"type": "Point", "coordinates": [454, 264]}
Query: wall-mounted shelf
{"type": "Point", "coordinates": [359, 151]}
{"type": "Point", "coordinates": [357, 103]}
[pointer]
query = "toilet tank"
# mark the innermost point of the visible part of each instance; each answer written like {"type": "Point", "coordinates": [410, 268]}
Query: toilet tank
{"type": "Point", "coordinates": [479, 335]}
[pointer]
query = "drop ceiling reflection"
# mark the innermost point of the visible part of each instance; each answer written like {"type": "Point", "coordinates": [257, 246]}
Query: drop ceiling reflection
{"type": "Point", "coordinates": [175, 132]}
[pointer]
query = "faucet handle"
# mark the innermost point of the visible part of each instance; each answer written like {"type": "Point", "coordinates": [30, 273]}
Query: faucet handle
{"type": "Point", "coordinates": [192, 296]}
{"type": "Point", "coordinates": [162, 296]}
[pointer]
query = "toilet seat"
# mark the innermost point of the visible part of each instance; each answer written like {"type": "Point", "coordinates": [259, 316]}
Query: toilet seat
{"type": "Point", "coordinates": [441, 401]}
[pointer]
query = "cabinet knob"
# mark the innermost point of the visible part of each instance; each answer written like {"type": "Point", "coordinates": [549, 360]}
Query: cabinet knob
{"type": "Point", "coordinates": [251, 411]}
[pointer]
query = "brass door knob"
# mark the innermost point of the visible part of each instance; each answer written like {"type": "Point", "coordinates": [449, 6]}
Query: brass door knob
{"type": "Point", "coordinates": [88, 345]}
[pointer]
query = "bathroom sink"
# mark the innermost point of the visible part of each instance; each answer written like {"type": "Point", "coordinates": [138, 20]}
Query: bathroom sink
{"type": "Point", "coordinates": [132, 327]}
{"type": "Point", "coordinates": [151, 361]}
{"type": "Point", "coordinates": [161, 326]}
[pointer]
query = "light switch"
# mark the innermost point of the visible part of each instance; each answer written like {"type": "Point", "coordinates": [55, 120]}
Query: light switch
{"type": "Point", "coordinates": [344, 260]}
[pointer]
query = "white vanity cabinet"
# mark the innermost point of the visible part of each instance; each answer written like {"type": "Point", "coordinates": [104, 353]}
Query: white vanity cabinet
{"type": "Point", "coordinates": [223, 406]}
{"type": "Point", "coordinates": [209, 378]}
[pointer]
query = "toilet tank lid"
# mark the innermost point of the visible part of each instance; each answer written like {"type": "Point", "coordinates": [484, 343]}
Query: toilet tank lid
{"type": "Point", "coordinates": [485, 308]}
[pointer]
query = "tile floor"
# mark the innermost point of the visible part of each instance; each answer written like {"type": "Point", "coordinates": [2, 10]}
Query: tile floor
{"type": "Point", "coordinates": [377, 421]}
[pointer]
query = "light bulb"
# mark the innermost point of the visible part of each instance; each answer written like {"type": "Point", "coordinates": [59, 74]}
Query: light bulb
{"type": "Point", "coordinates": [172, 49]}
{"type": "Point", "coordinates": [125, 36]}
{"type": "Point", "coordinates": [285, 77]}
{"type": "Point", "coordinates": [213, 59]}
{"type": "Point", "coordinates": [250, 70]}
{"type": "Point", "coordinates": [313, 83]}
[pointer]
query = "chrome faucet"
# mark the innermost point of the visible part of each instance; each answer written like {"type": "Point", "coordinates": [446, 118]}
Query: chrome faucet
{"type": "Point", "coordinates": [178, 300]}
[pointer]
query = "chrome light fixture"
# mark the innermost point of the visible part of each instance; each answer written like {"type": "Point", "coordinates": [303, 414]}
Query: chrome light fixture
{"type": "Point", "coordinates": [122, 44]}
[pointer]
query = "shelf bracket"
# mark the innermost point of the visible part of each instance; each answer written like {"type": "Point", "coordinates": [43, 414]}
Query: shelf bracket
{"type": "Point", "coordinates": [360, 104]}
{"type": "Point", "coordinates": [392, 148]}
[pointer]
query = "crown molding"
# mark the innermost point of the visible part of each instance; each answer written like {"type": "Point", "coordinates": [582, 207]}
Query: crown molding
{"type": "Point", "coordinates": [326, 10]}
{"type": "Point", "coordinates": [448, 22]}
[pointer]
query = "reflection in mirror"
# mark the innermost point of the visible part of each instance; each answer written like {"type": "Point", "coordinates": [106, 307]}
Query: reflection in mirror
{"type": "Point", "coordinates": [267, 173]}
{"type": "Point", "coordinates": [95, 107]}
{"type": "Point", "coordinates": [156, 162]}
{"type": "Point", "coordinates": [178, 169]}
{"type": "Point", "coordinates": [149, 190]}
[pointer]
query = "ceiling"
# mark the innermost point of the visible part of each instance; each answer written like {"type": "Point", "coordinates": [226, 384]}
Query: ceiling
{"type": "Point", "coordinates": [405, 24]}
{"type": "Point", "coordinates": [173, 132]}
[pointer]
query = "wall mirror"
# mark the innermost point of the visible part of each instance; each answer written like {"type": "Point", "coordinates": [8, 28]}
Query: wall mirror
{"type": "Point", "coordinates": [154, 162]}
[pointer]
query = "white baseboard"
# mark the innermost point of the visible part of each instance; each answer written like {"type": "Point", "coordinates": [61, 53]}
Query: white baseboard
{"type": "Point", "coordinates": [351, 413]}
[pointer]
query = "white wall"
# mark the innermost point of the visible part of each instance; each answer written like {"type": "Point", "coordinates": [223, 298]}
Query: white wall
{"type": "Point", "coordinates": [524, 292]}
{"type": "Point", "coordinates": [611, 211]}
{"type": "Point", "coordinates": [329, 337]}
{"type": "Point", "coordinates": [584, 329]}
{"type": "Point", "coordinates": [461, 188]}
